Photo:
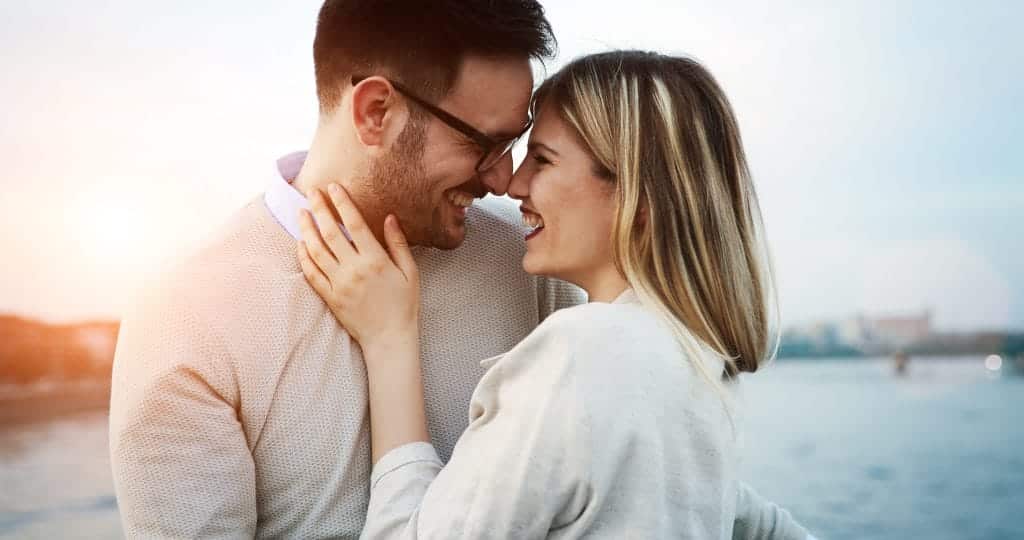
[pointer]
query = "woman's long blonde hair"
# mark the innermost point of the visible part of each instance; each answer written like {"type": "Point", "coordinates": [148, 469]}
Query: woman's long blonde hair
{"type": "Point", "coordinates": [688, 233]}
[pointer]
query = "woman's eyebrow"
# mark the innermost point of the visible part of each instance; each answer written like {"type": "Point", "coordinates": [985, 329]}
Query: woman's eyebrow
{"type": "Point", "coordinates": [534, 145]}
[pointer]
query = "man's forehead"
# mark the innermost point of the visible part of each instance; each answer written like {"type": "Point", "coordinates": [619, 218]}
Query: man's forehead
{"type": "Point", "coordinates": [492, 94]}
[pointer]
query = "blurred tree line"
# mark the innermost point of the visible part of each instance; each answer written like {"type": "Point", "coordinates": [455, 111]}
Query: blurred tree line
{"type": "Point", "coordinates": [32, 351]}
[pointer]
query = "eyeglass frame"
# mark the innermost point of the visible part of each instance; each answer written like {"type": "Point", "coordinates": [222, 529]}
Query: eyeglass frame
{"type": "Point", "coordinates": [486, 143]}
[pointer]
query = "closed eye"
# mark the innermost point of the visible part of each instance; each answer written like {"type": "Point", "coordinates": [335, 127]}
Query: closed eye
{"type": "Point", "coordinates": [470, 144]}
{"type": "Point", "coordinates": [541, 160]}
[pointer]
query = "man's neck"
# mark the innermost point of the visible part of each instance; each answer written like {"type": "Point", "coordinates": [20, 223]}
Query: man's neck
{"type": "Point", "coordinates": [323, 168]}
{"type": "Point", "coordinates": [320, 169]}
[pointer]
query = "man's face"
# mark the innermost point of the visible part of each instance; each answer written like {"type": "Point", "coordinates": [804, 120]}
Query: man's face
{"type": "Point", "coordinates": [429, 179]}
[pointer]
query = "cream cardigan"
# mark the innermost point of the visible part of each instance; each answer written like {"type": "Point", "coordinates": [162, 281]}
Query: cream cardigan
{"type": "Point", "coordinates": [595, 425]}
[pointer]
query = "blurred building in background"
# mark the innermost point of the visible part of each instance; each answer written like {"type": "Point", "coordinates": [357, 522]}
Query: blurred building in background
{"type": "Point", "coordinates": [881, 334]}
{"type": "Point", "coordinates": [914, 334]}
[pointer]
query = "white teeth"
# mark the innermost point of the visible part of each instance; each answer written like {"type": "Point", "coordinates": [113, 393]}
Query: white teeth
{"type": "Point", "coordinates": [461, 198]}
{"type": "Point", "coordinates": [533, 221]}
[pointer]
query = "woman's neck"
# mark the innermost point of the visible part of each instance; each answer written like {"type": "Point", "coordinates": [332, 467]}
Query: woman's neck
{"type": "Point", "coordinates": [604, 285]}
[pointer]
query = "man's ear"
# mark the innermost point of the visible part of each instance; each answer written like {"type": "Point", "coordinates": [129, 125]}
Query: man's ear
{"type": "Point", "coordinates": [377, 115]}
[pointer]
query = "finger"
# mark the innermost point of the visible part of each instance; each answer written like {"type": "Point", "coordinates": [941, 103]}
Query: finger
{"type": "Point", "coordinates": [329, 229]}
{"type": "Point", "coordinates": [398, 248]}
{"type": "Point", "coordinates": [357, 228]}
{"type": "Point", "coordinates": [318, 251]}
{"type": "Point", "coordinates": [314, 275]}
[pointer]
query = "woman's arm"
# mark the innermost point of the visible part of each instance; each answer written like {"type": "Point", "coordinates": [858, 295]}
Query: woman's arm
{"type": "Point", "coordinates": [397, 412]}
{"type": "Point", "coordinates": [760, 519]}
{"type": "Point", "coordinates": [374, 294]}
{"type": "Point", "coordinates": [518, 471]}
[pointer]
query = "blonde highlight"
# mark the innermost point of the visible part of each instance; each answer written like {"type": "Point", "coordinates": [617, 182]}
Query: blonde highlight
{"type": "Point", "coordinates": [688, 234]}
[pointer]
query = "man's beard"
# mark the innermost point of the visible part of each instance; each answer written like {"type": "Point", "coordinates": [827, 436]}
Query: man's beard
{"type": "Point", "coordinates": [399, 187]}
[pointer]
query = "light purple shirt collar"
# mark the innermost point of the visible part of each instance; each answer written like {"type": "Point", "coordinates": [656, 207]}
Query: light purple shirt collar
{"type": "Point", "coordinates": [282, 199]}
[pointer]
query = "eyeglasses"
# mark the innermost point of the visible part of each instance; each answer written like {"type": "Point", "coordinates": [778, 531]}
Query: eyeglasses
{"type": "Point", "coordinates": [492, 149]}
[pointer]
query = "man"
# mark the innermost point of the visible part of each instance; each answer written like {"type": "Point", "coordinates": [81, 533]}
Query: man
{"type": "Point", "coordinates": [239, 405]}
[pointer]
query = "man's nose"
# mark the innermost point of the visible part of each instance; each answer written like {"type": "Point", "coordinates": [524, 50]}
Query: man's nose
{"type": "Point", "coordinates": [497, 177]}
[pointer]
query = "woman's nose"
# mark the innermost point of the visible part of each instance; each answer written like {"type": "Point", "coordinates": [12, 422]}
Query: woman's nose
{"type": "Point", "coordinates": [519, 186]}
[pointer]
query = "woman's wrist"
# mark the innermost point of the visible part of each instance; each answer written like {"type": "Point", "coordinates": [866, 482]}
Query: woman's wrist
{"type": "Point", "coordinates": [395, 385]}
{"type": "Point", "coordinates": [391, 351]}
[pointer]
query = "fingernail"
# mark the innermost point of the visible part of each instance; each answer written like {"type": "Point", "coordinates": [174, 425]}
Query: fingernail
{"type": "Point", "coordinates": [333, 188]}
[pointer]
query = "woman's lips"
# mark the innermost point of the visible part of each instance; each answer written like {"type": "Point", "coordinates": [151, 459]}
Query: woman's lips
{"type": "Point", "coordinates": [533, 220]}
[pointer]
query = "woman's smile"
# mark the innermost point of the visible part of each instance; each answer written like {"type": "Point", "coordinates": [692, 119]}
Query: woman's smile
{"type": "Point", "coordinates": [533, 220]}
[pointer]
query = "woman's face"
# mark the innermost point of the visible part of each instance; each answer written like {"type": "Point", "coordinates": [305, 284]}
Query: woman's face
{"type": "Point", "coordinates": [569, 207]}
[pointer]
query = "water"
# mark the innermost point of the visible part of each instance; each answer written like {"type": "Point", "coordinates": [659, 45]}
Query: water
{"type": "Point", "coordinates": [56, 479]}
{"type": "Point", "coordinates": [856, 452]}
{"type": "Point", "coordinates": [852, 450]}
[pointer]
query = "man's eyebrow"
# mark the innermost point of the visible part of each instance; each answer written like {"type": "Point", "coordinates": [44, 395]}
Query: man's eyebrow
{"type": "Point", "coordinates": [534, 145]}
{"type": "Point", "coordinates": [503, 135]}
{"type": "Point", "coordinates": [508, 134]}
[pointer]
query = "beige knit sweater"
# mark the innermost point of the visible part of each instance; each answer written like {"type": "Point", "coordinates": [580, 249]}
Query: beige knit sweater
{"type": "Point", "coordinates": [239, 405]}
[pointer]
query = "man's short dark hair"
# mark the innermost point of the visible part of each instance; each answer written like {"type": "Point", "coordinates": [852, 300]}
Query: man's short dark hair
{"type": "Point", "coordinates": [421, 42]}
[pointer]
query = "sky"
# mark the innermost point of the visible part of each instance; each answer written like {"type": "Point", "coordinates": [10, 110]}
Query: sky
{"type": "Point", "coordinates": [886, 140]}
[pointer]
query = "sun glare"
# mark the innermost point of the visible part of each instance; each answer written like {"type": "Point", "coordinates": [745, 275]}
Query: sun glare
{"type": "Point", "coordinates": [115, 233]}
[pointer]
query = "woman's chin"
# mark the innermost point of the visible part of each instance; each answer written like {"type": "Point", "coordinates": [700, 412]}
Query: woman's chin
{"type": "Point", "coordinates": [531, 264]}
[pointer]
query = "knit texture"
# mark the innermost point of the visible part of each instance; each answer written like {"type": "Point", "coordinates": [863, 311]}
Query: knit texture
{"type": "Point", "coordinates": [239, 405]}
{"type": "Point", "coordinates": [594, 426]}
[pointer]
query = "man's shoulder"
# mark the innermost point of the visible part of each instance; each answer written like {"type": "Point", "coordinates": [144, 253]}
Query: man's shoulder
{"type": "Point", "coordinates": [228, 263]}
{"type": "Point", "coordinates": [497, 230]}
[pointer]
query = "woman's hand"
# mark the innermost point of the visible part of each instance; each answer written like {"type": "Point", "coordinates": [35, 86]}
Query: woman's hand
{"type": "Point", "coordinates": [376, 297]}
{"type": "Point", "coordinates": [374, 294]}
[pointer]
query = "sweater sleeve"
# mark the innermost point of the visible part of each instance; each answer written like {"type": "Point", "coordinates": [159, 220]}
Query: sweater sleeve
{"type": "Point", "coordinates": [516, 472]}
{"type": "Point", "coordinates": [181, 464]}
{"type": "Point", "coordinates": [760, 519]}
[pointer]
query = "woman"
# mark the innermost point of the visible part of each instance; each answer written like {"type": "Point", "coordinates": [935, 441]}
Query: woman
{"type": "Point", "coordinates": [614, 419]}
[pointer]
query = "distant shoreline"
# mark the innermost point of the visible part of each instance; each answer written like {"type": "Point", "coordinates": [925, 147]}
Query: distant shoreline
{"type": "Point", "coordinates": [48, 401]}
{"type": "Point", "coordinates": [53, 401]}
{"type": "Point", "coordinates": [874, 357]}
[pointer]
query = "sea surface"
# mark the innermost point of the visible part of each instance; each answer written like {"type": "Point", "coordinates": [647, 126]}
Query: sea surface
{"type": "Point", "coordinates": [853, 450]}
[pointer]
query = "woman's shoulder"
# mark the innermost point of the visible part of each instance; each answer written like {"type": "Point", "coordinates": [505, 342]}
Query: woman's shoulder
{"type": "Point", "coordinates": [623, 355]}
{"type": "Point", "coordinates": [590, 335]}
{"type": "Point", "coordinates": [604, 322]}
{"type": "Point", "coordinates": [604, 343]}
